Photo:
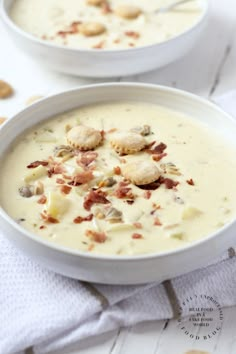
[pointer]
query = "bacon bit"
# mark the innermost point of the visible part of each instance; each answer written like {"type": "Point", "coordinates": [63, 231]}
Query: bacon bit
{"type": "Point", "coordinates": [138, 225]}
{"type": "Point", "coordinates": [37, 163]}
{"type": "Point", "coordinates": [147, 194]}
{"type": "Point", "coordinates": [75, 26]}
{"type": "Point", "coordinates": [102, 132]}
{"type": "Point", "coordinates": [137, 236]}
{"type": "Point", "coordinates": [81, 178]}
{"type": "Point", "coordinates": [130, 202]}
{"type": "Point", "coordinates": [158, 157]}
{"type": "Point", "coordinates": [117, 170]}
{"type": "Point", "coordinates": [42, 227]}
{"type": "Point", "coordinates": [106, 8]}
{"type": "Point", "coordinates": [190, 182]}
{"type": "Point", "coordinates": [158, 149]}
{"type": "Point", "coordinates": [66, 176]}
{"type": "Point", "coordinates": [116, 41]}
{"type": "Point", "coordinates": [132, 34]}
{"type": "Point", "coordinates": [169, 183]}
{"type": "Point", "coordinates": [113, 130]}
{"type": "Point", "coordinates": [56, 169]}
{"type": "Point", "coordinates": [65, 189]}
{"type": "Point", "coordinates": [99, 237]}
{"type": "Point", "coordinates": [81, 219]}
{"type": "Point", "coordinates": [157, 222]}
{"type": "Point", "coordinates": [44, 37]}
{"type": "Point", "coordinates": [148, 146]}
{"type": "Point", "coordinates": [91, 247]}
{"type": "Point", "coordinates": [50, 173]}
{"type": "Point", "coordinates": [95, 197]}
{"type": "Point", "coordinates": [87, 158]}
{"type": "Point", "coordinates": [131, 44]}
{"type": "Point", "coordinates": [63, 34]}
{"type": "Point", "coordinates": [99, 45]}
{"type": "Point", "coordinates": [123, 191]}
{"type": "Point", "coordinates": [72, 30]}
{"type": "Point", "coordinates": [42, 200]}
{"type": "Point", "coordinates": [60, 181]}
{"type": "Point", "coordinates": [49, 218]}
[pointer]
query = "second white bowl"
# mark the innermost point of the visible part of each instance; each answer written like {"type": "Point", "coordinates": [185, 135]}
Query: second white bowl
{"type": "Point", "coordinates": [104, 63]}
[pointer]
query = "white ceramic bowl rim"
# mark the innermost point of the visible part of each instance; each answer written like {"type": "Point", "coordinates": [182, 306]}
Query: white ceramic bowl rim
{"type": "Point", "coordinates": [10, 23]}
{"type": "Point", "coordinates": [134, 258]}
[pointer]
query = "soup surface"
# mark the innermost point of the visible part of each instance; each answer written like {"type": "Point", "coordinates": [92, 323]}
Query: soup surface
{"type": "Point", "coordinates": [144, 179]}
{"type": "Point", "coordinates": [98, 24]}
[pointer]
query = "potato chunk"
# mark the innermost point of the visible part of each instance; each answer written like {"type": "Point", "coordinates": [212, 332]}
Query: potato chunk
{"type": "Point", "coordinates": [57, 204]}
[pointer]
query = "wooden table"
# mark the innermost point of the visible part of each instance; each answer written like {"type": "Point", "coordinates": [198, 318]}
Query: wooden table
{"type": "Point", "coordinates": [208, 70]}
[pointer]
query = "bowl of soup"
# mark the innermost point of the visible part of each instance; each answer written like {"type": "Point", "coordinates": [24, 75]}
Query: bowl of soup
{"type": "Point", "coordinates": [104, 38]}
{"type": "Point", "coordinates": [119, 183]}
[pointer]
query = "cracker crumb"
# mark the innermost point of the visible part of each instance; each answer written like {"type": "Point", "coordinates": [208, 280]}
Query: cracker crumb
{"type": "Point", "coordinates": [2, 120]}
{"type": "Point", "coordinates": [6, 89]}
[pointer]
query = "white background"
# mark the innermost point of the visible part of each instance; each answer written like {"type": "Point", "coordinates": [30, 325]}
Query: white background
{"type": "Point", "coordinates": [208, 70]}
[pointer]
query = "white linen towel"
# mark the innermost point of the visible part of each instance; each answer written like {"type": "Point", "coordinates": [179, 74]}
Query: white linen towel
{"type": "Point", "coordinates": [48, 312]}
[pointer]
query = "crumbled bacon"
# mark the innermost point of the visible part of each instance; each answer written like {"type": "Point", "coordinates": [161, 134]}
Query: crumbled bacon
{"type": "Point", "coordinates": [157, 222]}
{"type": "Point", "coordinates": [117, 170]}
{"type": "Point", "coordinates": [102, 132]}
{"type": "Point", "coordinates": [158, 149]}
{"type": "Point", "coordinates": [99, 237]}
{"type": "Point", "coordinates": [158, 157]}
{"type": "Point", "coordinates": [37, 163]}
{"type": "Point", "coordinates": [60, 181]}
{"type": "Point", "coordinates": [137, 236]}
{"type": "Point", "coordinates": [48, 218]}
{"type": "Point", "coordinates": [123, 191]}
{"type": "Point", "coordinates": [65, 189]}
{"type": "Point", "coordinates": [74, 28]}
{"type": "Point", "coordinates": [66, 176]}
{"type": "Point", "coordinates": [190, 182]}
{"type": "Point", "coordinates": [169, 183]}
{"type": "Point", "coordinates": [86, 158]}
{"type": "Point", "coordinates": [138, 225]}
{"type": "Point", "coordinates": [81, 178]}
{"type": "Point", "coordinates": [130, 202]}
{"type": "Point", "coordinates": [56, 169]}
{"type": "Point", "coordinates": [132, 34]}
{"type": "Point", "coordinates": [42, 227]}
{"type": "Point", "coordinates": [99, 45]}
{"type": "Point", "coordinates": [95, 197]}
{"type": "Point", "coordinates": [106, 8]}
{"type": "Point", "coordinates": [147, 194]}
{"type": "Point", "coordinates": [81, 219]}
{"type": "Point", "coordinates": [42, 199]}
{"type": "Point", "coordinates": [148, 146]}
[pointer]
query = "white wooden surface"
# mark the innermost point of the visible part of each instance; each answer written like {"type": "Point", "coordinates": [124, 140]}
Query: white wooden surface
{"type": "Point", "coordinates": [209, 70]}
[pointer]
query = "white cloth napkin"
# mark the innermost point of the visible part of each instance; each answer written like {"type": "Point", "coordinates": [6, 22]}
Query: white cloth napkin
{"type": "Point", "coordinates": [48, 312]}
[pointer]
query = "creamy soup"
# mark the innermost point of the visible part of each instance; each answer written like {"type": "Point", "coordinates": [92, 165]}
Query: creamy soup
{"type": "Point", "coordinates": [98, 24]}
{"type": "Point", "coordinates": [120, 178]}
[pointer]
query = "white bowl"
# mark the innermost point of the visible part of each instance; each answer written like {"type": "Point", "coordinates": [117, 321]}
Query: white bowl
{"type": "Point", "coordinates": [118, 269]}
{"type": "Point", "coordinates": [104, 63]}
